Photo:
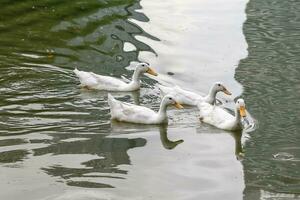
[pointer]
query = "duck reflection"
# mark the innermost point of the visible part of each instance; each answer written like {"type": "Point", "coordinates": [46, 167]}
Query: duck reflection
{"type": "Point", "coordinates": [237, 136]}
{"type": "Point", "coordinates": [125, 128]}
{"type": "Point", "coordinates": [239, 151]}
{"type": "Point", "coordinates": [167, 144]}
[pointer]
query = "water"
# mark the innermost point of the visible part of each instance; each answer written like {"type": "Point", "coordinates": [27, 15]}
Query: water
{"type": "Point", "coordinates": [57, 142]}
{"type": "Point", "coordinates": [270, 76]}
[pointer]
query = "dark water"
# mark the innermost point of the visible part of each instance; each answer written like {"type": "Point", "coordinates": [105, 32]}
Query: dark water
{"type": "Point", "coordinates": [41, 42]}
{"type": "Point", "coordinates": [270, 76]}
{"type": "Point", "coordinates": [55, 137]}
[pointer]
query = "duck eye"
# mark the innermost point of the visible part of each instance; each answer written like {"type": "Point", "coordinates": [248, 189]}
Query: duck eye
{"type": "Point", "coordinates": [219, 84]}
{"type": "Point", "coordinates": [170, 98]}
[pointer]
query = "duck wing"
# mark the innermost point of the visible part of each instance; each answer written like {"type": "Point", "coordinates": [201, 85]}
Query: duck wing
{"type": "Point", "coordinates": [85, 78]}
{"type": "Point", "coordinates": [186, 97]}
{"type": "Point", "coordinates": [182, 96]}
{"type": "Point", "coordinates": [214, 115]}
{"type": "Point", "coordinates": [123, 111]}
{"type": "Point", "coordinates": [107, 82]}
{"type": "Point", "coordinates": [164, 90]}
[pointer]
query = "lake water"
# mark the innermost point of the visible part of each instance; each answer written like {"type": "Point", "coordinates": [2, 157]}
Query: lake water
{"type": "Point", "coordinates": [270, 76]}
{"type": "Point", "coordinates": [57, 140]}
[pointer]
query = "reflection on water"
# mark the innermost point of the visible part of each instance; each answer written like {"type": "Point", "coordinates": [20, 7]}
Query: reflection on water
{"type": "Point", "coordinates": [12, 156]}
{"type": "Point", "coordinates": [42, 111]}
{"type": "Point", "coordinates": [168, 144]}
{"type": "Point", "coordinates": [270, 76]}
{"type": "Point", "coordinates": [162, 130]}
{"type": "Point", "coordinates": [54, 135]}
{"type": "Point", "coordinates": [111, 153]}
{"type": "Point", "coordinates": [239, 152]}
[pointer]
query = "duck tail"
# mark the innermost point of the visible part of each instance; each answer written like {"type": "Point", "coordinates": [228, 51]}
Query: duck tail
{"type": "Point", "coordinates": [163, 89]}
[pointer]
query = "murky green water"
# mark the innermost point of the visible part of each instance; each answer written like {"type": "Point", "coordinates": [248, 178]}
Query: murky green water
{"type": "Point", "coordinates": [270, 76]}
{"type": "Point", "coordinates": [57, 142]}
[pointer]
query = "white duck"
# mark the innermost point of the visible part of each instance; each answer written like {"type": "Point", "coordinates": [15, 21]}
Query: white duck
{"type": "Point", "coordinates": [127, 112]}
{"type": "Point", "coordinates": [91, 80]}
{"type": "Point", "coordinates": [190, 98]}
{"type": "Point", "coordinates": [220, 118]}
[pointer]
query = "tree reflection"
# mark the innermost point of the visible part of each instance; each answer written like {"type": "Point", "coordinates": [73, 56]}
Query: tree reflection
{"type": "Point", "coordinates": [112, 152]}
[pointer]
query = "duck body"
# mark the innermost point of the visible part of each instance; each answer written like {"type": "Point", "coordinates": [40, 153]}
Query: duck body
{"type": "Point", "coordinates": [182, 96]}
{"type": "Point", "coordinates": [91, 80]}
{"type": "Point", "coordinates": [220, 118]}
{"type": "Point", "coordinates": [126, 112]}
{"type": "Point", "coordinates": [192, 99]}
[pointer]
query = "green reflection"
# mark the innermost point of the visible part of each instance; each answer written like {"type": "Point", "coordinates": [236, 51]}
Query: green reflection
{"type": "Point", "coordinates": [13, 156]}
{"type": "Point", "coordinates": [112, 152]}
{"type": "Point", "coordinates": [270, 76]}
{"type": "Point", "coordinates": [41, 42]}
{"type": "Point", "coordinates": [10, 142]}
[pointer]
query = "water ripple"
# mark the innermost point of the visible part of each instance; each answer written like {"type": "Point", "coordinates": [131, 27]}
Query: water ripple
{"type": "Point", "coordinates": [270, 76]}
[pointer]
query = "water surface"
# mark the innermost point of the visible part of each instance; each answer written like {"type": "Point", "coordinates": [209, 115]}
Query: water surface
{"type": "Point", "coordinates": [57, 141]}
{"type": "Point", "coordinates": [270, 76]}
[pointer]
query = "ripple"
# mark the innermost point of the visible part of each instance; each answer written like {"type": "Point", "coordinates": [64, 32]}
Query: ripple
{"type": "Point", "coordinates": [283, 156]}
{"type": "Point", "coordinates": [42, 110]}
{"type": "Point", "coordinates": [270, 78]}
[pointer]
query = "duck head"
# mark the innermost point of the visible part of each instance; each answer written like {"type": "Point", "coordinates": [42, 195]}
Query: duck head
{"type": "Point", "coordinates": [219, 87]}
{"type": "Point", "coordinates": [240, 105]}
{"type": "Point", "coordinates": [170, 100]}
{"type": "Point", "coordinates": [145, 68]}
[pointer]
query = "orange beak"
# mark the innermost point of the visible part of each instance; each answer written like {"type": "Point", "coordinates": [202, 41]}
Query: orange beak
{"type": "Point", "coordinates": [242, 111]}
{"type": "Point", "coordinates": [178, 105]}
{"type": "Point", "coordinates": [151, 71]}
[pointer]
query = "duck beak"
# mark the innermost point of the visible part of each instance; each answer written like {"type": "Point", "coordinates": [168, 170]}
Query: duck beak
{"type": "Point", "coordinates": [226, 91]}
{"type": "Point", "coordinates": [178, 105]}
{"type": "Point", "coordinates": [151, 71]}
{"type": "Point", "coordinates": [242, 111]}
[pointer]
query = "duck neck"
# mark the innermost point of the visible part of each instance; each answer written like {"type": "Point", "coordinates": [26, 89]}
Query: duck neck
{"type": "Point", "coordinates": [162, 113]}
{"type": "Point", "coordinates": [136, 77]}
{"type": "Point", "coordinates": [237, 116]}
{"type": "Point", "coordinates": [211, 96]}
{"type": "Point", "coordinates": [135, 81]}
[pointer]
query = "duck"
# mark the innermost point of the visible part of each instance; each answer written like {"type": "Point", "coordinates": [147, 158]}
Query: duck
{"type": "Point", "coordinates": [126, 112]}
{"type": "Point", "coordinates": [186, 97]}
{"type": "Point", "coordinates": [220, 118]}
{"type": "Point", "coordinates": [90, 80]}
